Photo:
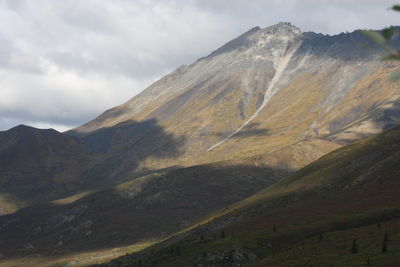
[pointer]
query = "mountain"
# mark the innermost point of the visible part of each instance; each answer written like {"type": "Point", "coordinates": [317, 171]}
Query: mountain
{"type": "Point", "coordinates": [199, 140]}
{"type": "Point", "coordinates": [37, 164]}
{"type": "Point", "coordinates": [266, 89]}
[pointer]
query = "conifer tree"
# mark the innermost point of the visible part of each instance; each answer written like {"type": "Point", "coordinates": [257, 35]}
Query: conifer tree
{"type": "Point", "coordinates": [354, 247]}
{"type": "Point", "coordinates": [386, 237]}
{"type": "Point", "coordinates": [384, 246]}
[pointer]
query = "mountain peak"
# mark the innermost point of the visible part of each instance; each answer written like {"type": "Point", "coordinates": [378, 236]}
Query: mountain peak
{"type": "Point", "coordinates": [282, 27]}
{"type": "Point", "coordinates": [281, 30]}
{"type": "Point", "coordinates": [284, 24]}
{"type": "Point", "coordinates": [21, 128]}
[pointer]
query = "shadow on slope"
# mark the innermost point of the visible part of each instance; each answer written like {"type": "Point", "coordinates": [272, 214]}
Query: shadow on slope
{"type": "Point", "coordinates": [118, 151]}
{"type": "Point", "coordinates": [147, 208]}
{"type": "Point", "coordinates": [252, 129]}
{"type": "Point", "coordinates": [38, 165]}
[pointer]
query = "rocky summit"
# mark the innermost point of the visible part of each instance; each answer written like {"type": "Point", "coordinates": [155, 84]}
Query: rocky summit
{"type": "Point", "coordinates": [190, 164]}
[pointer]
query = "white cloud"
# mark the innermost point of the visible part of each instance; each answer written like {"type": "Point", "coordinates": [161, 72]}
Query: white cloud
{"type": "Point", "coordinates": [64, 62]}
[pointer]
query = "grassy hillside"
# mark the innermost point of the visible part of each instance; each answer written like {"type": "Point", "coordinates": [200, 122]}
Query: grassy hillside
{"type": "Point", "coordinates": [333, 212]}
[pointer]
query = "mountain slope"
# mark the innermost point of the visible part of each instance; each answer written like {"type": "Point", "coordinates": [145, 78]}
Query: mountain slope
{"type": "Point", "coordinates": [150, 207]}
{"type": "Point", "coordinates": [309, 218]}
{"type": "Point", "coordinates": [93, 226]}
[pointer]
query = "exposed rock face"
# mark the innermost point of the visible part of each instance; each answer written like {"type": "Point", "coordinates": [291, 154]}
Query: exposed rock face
{"type": "Point", "coordinates": [256, 49]}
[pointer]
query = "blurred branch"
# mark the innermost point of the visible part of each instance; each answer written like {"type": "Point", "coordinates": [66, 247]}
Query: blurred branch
{"type": "Point", "coordinates": [382, 39]}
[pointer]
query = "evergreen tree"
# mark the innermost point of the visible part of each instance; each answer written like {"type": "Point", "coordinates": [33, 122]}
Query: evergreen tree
{"type": "Point", "coordinates": [384, 244]}
{"type": "Point", "coordinates": [354, 247]}
{"type": "Point", "coordinates": [386, 237]}
{"type": "Point", "coordinates": [384, 247]}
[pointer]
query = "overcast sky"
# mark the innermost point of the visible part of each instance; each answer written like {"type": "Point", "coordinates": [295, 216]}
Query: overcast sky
{"type": "Point", "coordinates": [63, 62]}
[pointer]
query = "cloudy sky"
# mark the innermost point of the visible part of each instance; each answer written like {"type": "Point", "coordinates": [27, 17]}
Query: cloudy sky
{"type": "Point", "coordinates": [62, 62]}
